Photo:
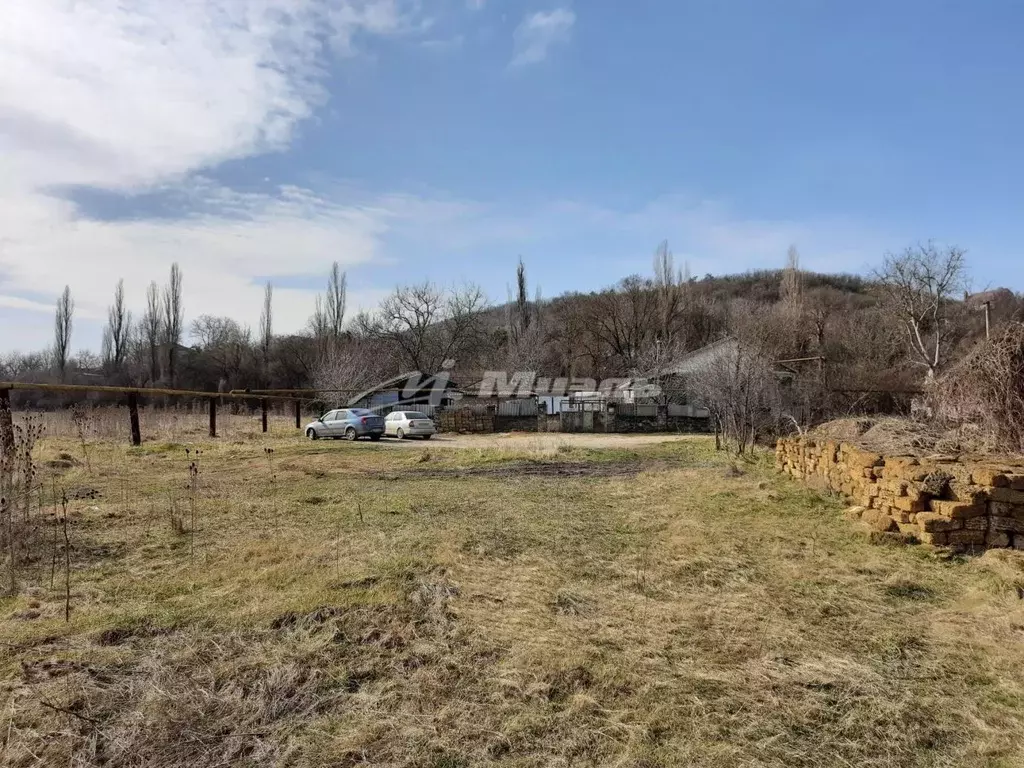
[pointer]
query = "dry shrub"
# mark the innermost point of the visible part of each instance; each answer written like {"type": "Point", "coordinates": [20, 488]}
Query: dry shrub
{"type": "Point", "coordinates": [987, 388]}
{"type": "Point", "coordinates": [891, 436]}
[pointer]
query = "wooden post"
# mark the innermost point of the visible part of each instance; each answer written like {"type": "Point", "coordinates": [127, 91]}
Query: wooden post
{"type": "Point", "coordinates": [298, 414]}
{"type": "Point", "coordinates": [133, 416]}
{"type": "Point", "coordinates": [263, 412]}
{"type": "Point", "coordinates": [6, 423]}
{"type": "Point", "coordinates": [213, 417]}
{"type": "Point", "coordinates": [988, 326]}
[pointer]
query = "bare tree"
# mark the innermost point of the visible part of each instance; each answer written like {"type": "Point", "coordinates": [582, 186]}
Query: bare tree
{"type": "Point", "coordinates": [919, 286]}
{"type": "Point", "coordinates": [791, 290]}
{"type": "Point", "coordinates": [518, 312]}
{"type": "Point", "coordinates": [151, 330]}
{"type": "Point", "coordinates": [670, 288]}
{"type": "Point", "coordinates": [427, 325]}
{"type": "Point", "coordinates": [267, 326]}
{"type": "Point", "coordinates": [351, 366]}
{"type": "Point", "coordinates": [524, 333]}
{"type": "Point", "coordinates": [328, 319]}
{"type": "Point", "coordinates": [63, 321]}
{"type": "Point", "coordinates": [173, 319]}
{"type": "Point", "coordinates": [116, 336]}
{"type": "Point", "coordinates": [741, 390]}
{"type": "Point", "coordinates": [623, 324]}
{"type": "Point", "coordinates": [318, 325]}
{"type": "Point", "coordinates": [224, 343]}
{"type": "Point", "coordinates": [337, 290]}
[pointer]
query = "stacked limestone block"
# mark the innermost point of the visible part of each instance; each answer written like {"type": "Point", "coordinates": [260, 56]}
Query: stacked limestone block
{"type": "Point", "coordinates": [463, 421]}
{"type": "Point", "coordinates": [939, 500]}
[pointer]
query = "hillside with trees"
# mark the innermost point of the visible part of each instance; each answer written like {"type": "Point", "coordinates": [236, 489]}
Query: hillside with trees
{"type": "Point", "coordinates": [854, 342]}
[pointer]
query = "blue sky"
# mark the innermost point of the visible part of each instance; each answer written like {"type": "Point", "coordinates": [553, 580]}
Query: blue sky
{"type": "Point", "coordinates": [442, 140]}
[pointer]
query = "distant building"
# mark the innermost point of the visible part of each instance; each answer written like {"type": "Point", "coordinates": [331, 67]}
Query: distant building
{"type": "Point", "coordinates": [412, 390]}
{"type": "Point", "coordinates": [724, 349]}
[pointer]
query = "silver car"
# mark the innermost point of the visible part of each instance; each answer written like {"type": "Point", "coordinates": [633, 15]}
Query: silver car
{"type": "Point", "coordinates": [348, 423]}
{"type": "Point", "coordinates": [408, 424]}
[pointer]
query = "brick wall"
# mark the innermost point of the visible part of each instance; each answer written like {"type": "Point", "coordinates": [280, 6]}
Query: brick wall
{"type": "Point", "coordinates": [939, 500]}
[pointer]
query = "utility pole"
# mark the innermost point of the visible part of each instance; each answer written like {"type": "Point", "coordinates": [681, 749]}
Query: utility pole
{"type": "Point", "coordinates": [988, 326]}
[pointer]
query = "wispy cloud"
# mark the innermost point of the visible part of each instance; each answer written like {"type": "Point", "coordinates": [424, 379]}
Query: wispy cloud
{"type": "Point", "coordinates": [443, 45]}
{"type": "Point", "coordinates": [114, 94]}
{"type": "Point", "coordinates": [538, 33]}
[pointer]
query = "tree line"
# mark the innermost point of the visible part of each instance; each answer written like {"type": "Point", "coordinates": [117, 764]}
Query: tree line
{"type": "Point", "coordinates": [889, 331]}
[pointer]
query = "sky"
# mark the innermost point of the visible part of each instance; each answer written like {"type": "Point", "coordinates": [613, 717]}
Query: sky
{"type": "Point", "coordinates": [261, 140]}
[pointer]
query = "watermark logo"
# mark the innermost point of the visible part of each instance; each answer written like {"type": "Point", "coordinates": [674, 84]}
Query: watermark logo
{"type": "Point", "coordinates": [529, 384]}
{"type": "Point", "coordinates": [417, 388]}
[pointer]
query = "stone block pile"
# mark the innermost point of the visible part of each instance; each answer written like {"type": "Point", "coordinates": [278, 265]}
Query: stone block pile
{"type": "Point", "coordinates": [939, 500]}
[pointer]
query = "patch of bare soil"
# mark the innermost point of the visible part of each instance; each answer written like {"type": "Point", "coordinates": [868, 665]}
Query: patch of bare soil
{"type": "Point", "coordinates": [553, 469]}
{"type": "Point", "coordinates": [544, 469]}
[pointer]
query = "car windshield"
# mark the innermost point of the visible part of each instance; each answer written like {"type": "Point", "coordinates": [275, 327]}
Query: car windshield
{"type": "Point", "coordinates": [415, 415]}
{"type": "Point", "coordinates": [361, 412]}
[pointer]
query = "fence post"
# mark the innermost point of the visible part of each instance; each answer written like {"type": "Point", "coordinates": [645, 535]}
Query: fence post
{"type": "Point", "coordinates": [263, 412]}
{"type": "Point", "coordinates": [133, 417]}
{"type": "Point", "coordinates": [213, 417]}
{"type": "Point", "coordinates": [6, 423]}
{"type": "Point", "coordinates": [298, 414]}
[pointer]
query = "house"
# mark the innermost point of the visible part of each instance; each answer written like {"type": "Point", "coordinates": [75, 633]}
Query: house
{"type": "Point", "coordinates": [523, 401]}
{"type": "Point", "coordinates": [725, 349]}
{"type": "Point", "coordinates": [408, 390]}
{"type": "Point", "coordinates": [723, 355]}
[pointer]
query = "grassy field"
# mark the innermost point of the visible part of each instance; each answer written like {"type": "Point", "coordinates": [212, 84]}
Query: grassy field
{"type": "Point", "coordinates": [550, 605]}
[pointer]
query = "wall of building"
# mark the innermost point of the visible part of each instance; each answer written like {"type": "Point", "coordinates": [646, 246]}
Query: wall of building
{"type": "Point", "coordinates": [938, 500]}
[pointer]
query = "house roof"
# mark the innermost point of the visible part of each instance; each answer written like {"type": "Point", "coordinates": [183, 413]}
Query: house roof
{"type": "Point", "coordinates": [695, 360]}
{"type": "Point", "coordinates": [691, 361]}
{"type": "Point", "coordinates": [420, 385]}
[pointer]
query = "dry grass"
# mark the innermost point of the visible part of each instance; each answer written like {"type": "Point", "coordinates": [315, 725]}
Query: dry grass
{"type": "Point", "coordinates": [347, 604]}
{"type": "Point", "coordinates": [235, 421]}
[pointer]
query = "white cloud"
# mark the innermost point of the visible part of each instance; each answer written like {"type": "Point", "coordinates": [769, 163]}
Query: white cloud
{"type": "Point", "coordinates": [142, 97]}
{"type": "Point", "coordinates": [137, 96]}
{"type": "Point", "coordinates": [538, 32]}
{"type": "Point", "coordinates": [287, 233]}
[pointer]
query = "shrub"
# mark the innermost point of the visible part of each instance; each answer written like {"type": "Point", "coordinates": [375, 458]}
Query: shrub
{"type": "Point", "coordinates": [987, 388]}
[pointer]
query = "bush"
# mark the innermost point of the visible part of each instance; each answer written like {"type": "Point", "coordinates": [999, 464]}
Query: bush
{"type": "Point", "coordinates": [987, 388]}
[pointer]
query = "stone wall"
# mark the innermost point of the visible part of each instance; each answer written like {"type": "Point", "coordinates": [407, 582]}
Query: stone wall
{"type": "Point", "coordinates": [647, 424]}
{"type": "Point", "coordinates": [516, 423]}
{"type": "Point", "coordinates": [938, 500]}
{"type": "Point", "coordinates": [464, 420]}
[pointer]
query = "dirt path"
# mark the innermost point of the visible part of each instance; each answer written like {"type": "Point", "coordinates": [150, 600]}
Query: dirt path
{"type": "Point", "coordinates": [539, 440]}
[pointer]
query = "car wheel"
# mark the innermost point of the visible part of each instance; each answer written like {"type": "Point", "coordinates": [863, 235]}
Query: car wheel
{"type": "Point", "coordinates": [400, 434]}
{"type": "Point", "coordinates": [375, 438]}
{"type": "Point", "coordinates": [350, 433]}
{"type": "Point", "coordinates": [311, 434]}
